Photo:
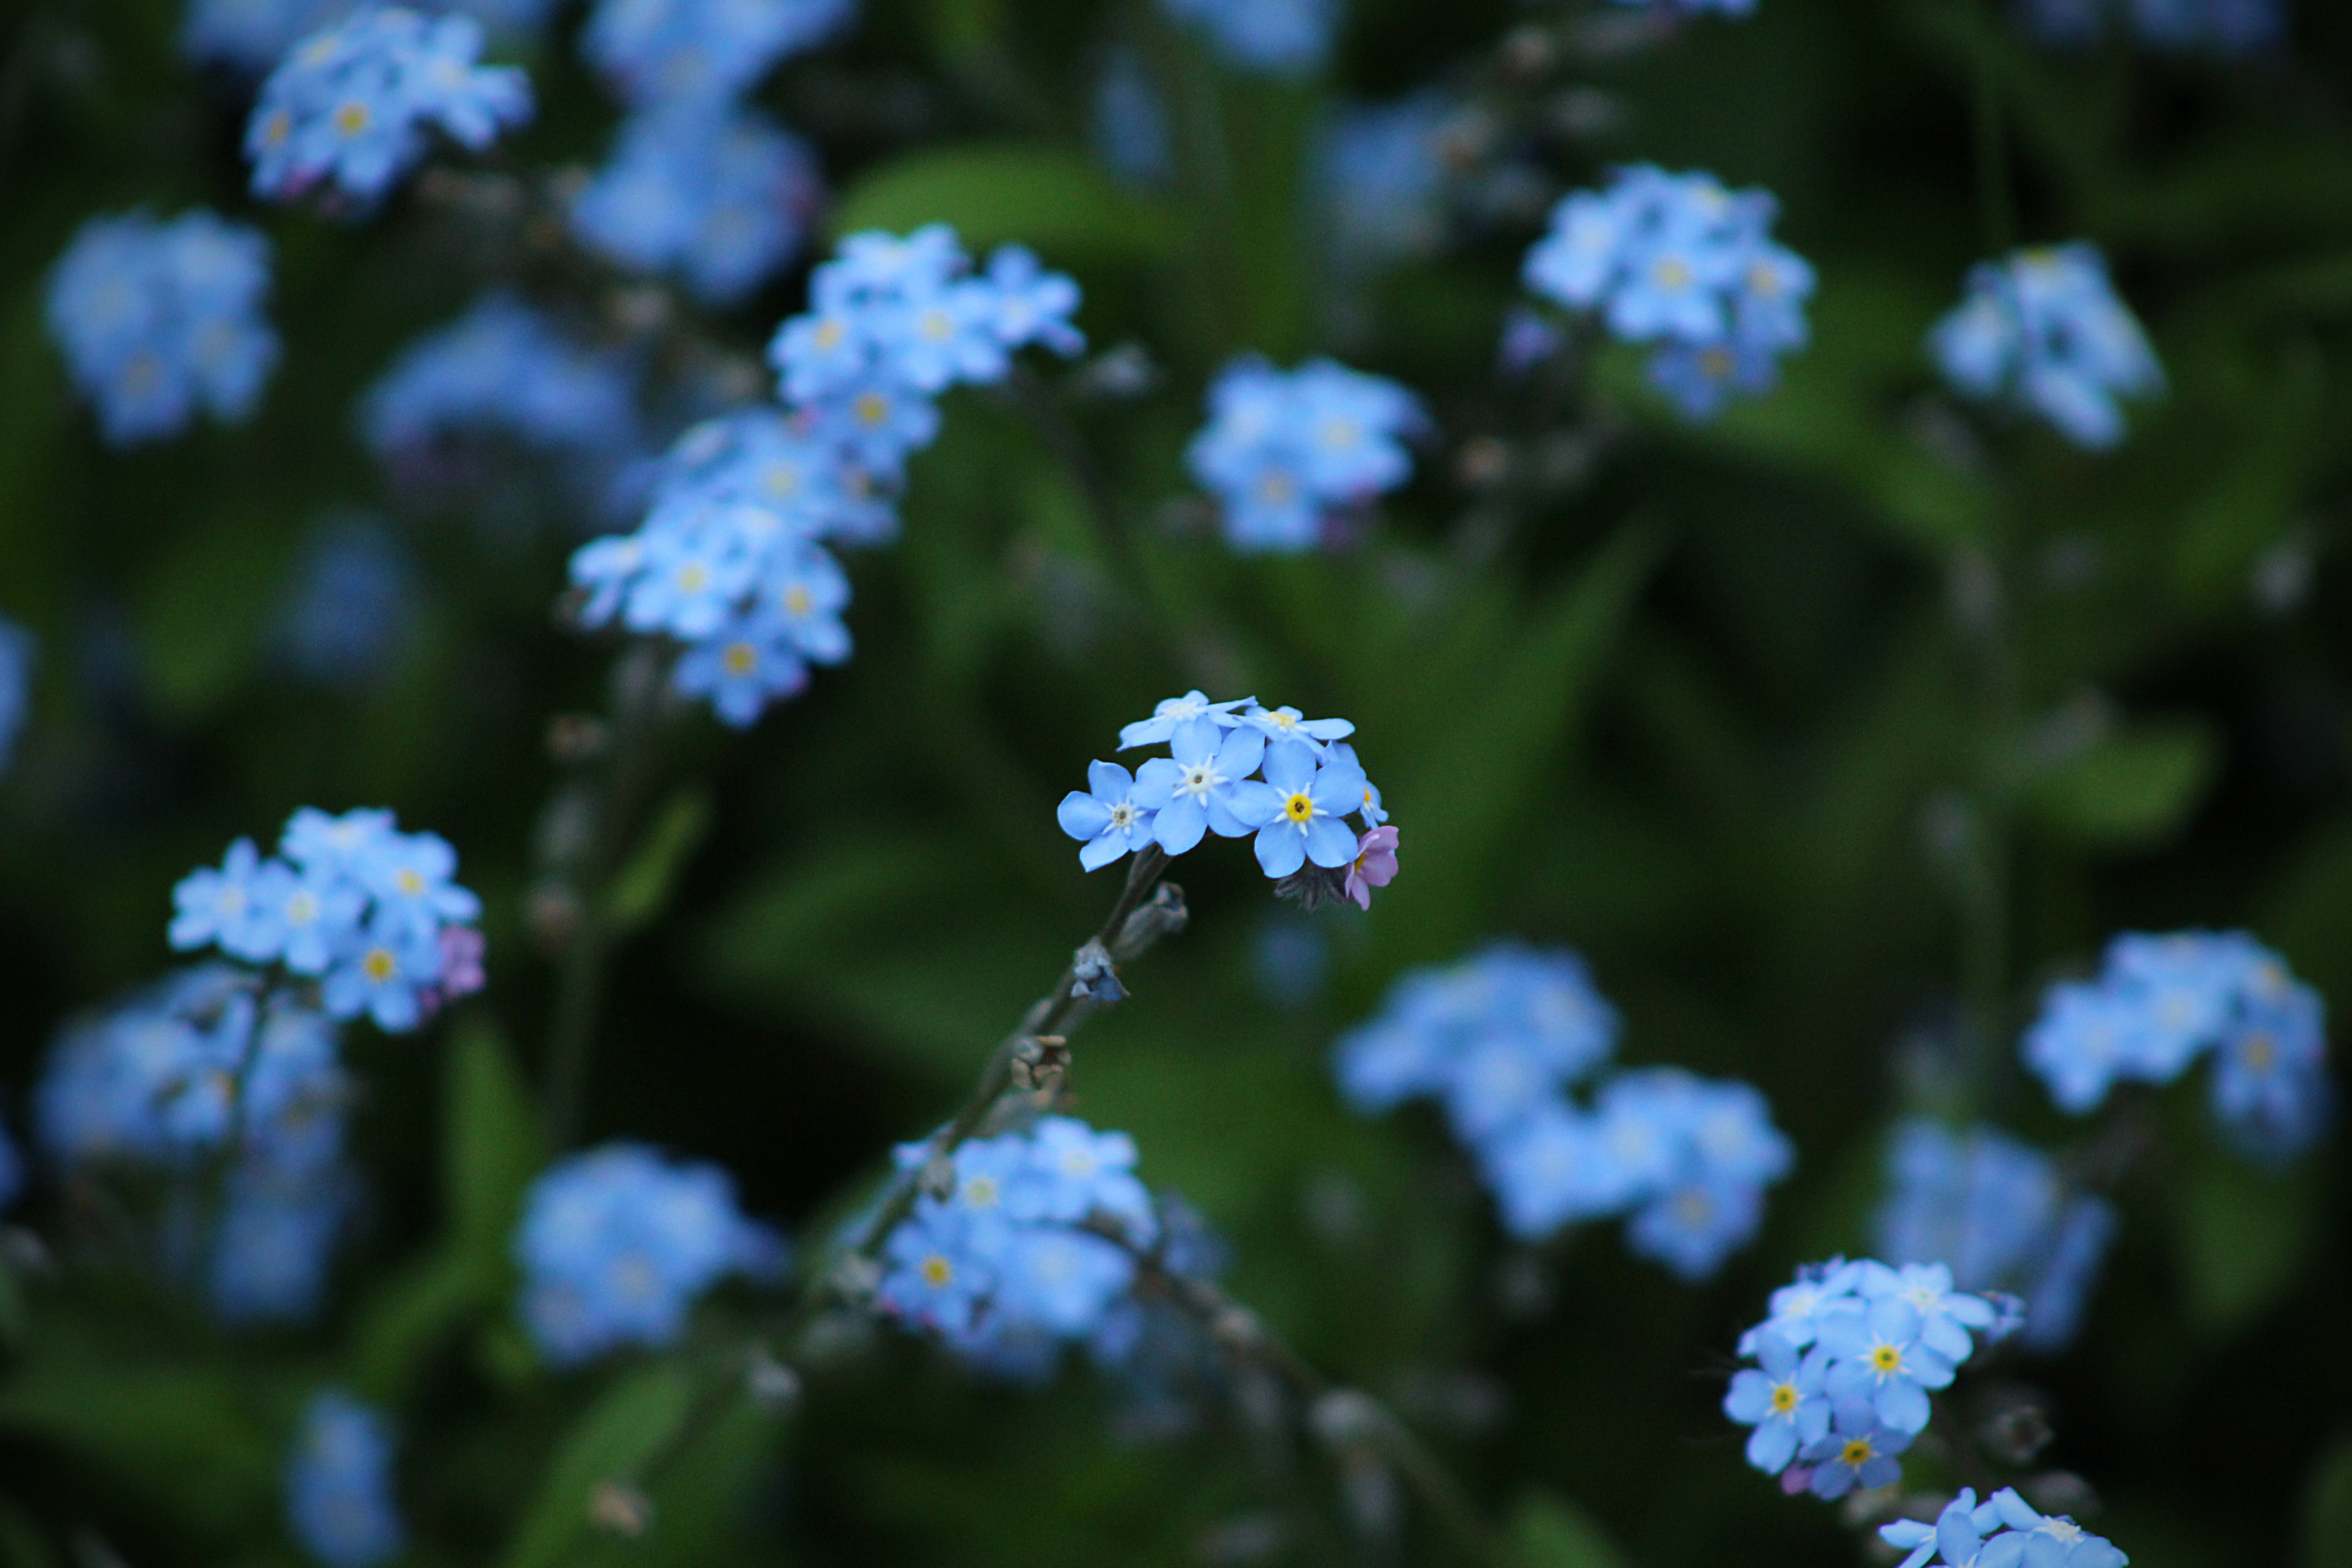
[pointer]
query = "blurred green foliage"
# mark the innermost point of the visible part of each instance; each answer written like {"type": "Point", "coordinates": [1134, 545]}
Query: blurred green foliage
{"type": "Point", "coordinates": [1835, 727]}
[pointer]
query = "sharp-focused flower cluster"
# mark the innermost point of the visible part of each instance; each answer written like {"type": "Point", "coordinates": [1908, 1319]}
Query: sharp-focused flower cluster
{"type": "Point", "coordinates": [338, 1500]}
{"type": "Point", "coordinates": [1845, 1365]}
{"type": "Point", "coordinates": [504, 369]}
{"type": "Point", "coordinates": [348, 109]}
{"type": "Point", "coordinates": [1284, 451]}
{"type": "Point", "coordinates": [16, 686]}
{"type": "Point", "coordinates": [1383, 175]}
{"type": "Point", "coordinates": [254, 35]}
{"type": "Point", "coordinates": [1500, 1038]}
{"type": "Point", "coordinates": [1012, 1263]}
{"type": "Point", "coordinates": [2161, 1002]}
{"type": "Point", "coordinates": [730, 559]}
{"type": "Point", "coordinates": [350, 605]}
{"type": "Point", "coordinates": [2002, 1531]}
{"type": "Point", "coordinates": [2218, 27]}
{"type": "Point", "coordinates": [367, 911]}
{"type": "Point", "coordinates": [1237, 769]}
{"type": "Point", "coordinates": [2042, 328]}
{"type": "Point", "coordinates": [1285, 37]}
{"type": "Point", "coordinates": [669, 51]}
{"type": "Point", "coordinates": [1678, 260]}
{"type": "Point", "coordinates": [1994, 1211]}
{"type": "Point", "coordinates": [204, 1066]}
{"type": "Point", "coordinates": [719, 194]}
{"type": "Point", "coordinates": [617, 1243]}
{"type": "Point", "coordinates": [159, 318]}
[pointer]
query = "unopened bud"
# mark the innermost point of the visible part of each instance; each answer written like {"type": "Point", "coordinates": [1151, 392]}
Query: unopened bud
{"type": "Point", "coordinates": [1093, 976]}
{"type": "Point", "coordinates": [1041, 1063]}
{"type": "Point", "coordinates": [621, 1508]}
{"type": "Point", "coordinates": [772, 1384]}
{"type": "Point", "coordinates": [1237, 1329]}
{"type": "Point", "coordinates": [855, 1278]}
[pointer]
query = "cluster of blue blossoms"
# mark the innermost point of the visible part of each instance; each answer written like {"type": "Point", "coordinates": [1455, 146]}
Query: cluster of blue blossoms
{"type": "Point", "coordinates": [1032, 1247]}
{"type": "Point", "coordinates": [1298, 810]}
{"type": "Point", "coordinates": [1285, 452]}
{"type": "Point", "coordinates": [206, 1067]}
{"type": "Point", "coordinates": [1499, 1039]}
{"type": "Point", "coordinates": [254, 35]}
{"type": "Point", "coordinates": [1995, 1213]}
{"type": "Point", "coordinates": [1382, 171]}
{"type": "Point", "coordinates": [2161, 1002]}
{"type": "Point", "coordinates": [1845, 1363]}
{"type": "Point", "coordinates": [348, 109]}
{"type": "Point", "coordinates": [667, 51]}
{"type": "Point", "coordinates": [1677, 260]}
{"type": "Point", "coordinates": [2219, 27]}
{"type": "Point", "coordinates": [339, 1501]}
{"type": "Point", "coordinates": [2042, 328]}
{"type": "Point", "coordinates": [617, 1243]}
{"type": "Point", "coordinates": [1283, 37]}
{"type": "Point", "coordinates": [730, 559]}
{"type": "Point", "coordinates": [159, 318]}
{"type": "Point", "coordinates": [2002, 1531]}
{"type": "Point", "coordinates": [367, 911]}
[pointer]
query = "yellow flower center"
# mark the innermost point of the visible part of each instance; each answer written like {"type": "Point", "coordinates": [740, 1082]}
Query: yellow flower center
{"type": "Point", "coordinates": [1299, 808]}
{"type": "Point", "coordinates": [379, 964]}
{"type": "Point", "coordinates": [828, 335]}
{"type": "Point", "coordinates": [781, 479]}
{"type": "Point", "coordinates": [351, 118]}
{"type": "Point", "coordinates": [2258, 1052]}
{"type": "Point", "coordinates": [1857, 1452]}
{"type": "Point", "coordinates": [693, 577]}
{"type": "Point", "coordinates": [872, 407]}
{"type": "Point", "coordinates": [1784, 1398]}
{"type": "Point", "coordinates": [797, 602]}
{"type": "Point", "coordinates": [739, 658]}
{"type": "Point", "coordinates": [981, 1192]}
{"type": "Point", "coordinates": [1276, 488]}
{"type": "Point", "coordinates": [938, 325]}
{"type": "Point", "coordinates": [409, 881]}
{"type": "Point", "coordinates": [937, 1272]}
{"type": "Point", "coordinates": [1886, 1357]}
{"type": "Point", "coordinates": [1671, 273]}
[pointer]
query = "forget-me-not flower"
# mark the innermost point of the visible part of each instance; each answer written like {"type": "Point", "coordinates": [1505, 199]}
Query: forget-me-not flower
{"type": "Point", "coordinates": [2044, 327]}
{"type": "Point", "coordinates": [1298, 807]}
{"type": "Point", "coordinates": [1782, 1398]}
{"type": "Point", "coordinates": [1283, 37]}
{"type": "Point", "coordinates": [1284, 450]}
{"type": "Point", "coordinates": [339, 1500]}
{"type": "Point", "coordinates": [674, 51]}
{"type": "Point", "coordinates": [1113, 816]}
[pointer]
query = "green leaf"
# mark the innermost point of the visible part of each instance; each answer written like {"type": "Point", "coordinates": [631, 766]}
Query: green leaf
{"type": "Point", "coordinates": [2242, 1236]}
{"type": "Point", "coordinates": [2135, 788]}
{"type": "Point", "coordinates": [634, 1420]}
{"type": "Point", "coordinates": [494, 1144]}
{"type": "Point", "coordinates": [644, 886]}
{"type": "Point", "coordinates": [22, 1545]}
{"type": "Point", "coordinates": [200, 612]}
{"type": "Point", "coordinates": [1551, 1532]}
{"type": "Point", "coordinates": [177, 1434]}
{"type": "Point", "coordinates": [1054, 200]}
{"type": "Point", "coordinates": [2327, 1509]}
{"type": "Point", "coordinates": [406, 1316]}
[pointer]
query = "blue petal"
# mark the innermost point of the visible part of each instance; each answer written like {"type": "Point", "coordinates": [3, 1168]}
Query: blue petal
{"type": "Point", "coordinates": [1109, 781]}
{"type": "Point", "coordinates": [1290, 766]}
{"type": "Point", "coordinates": [1240, 755]}
{"type": "Point", "coordinates": [1082, 816]}
{"type": "Point", "coordinates": [1329, 843]}
{"type": "Point", "coordinates": [1281, 848]}
{"type": "Point", "coordinates": [1180, 823]}
{"type": "Point", "coordinates": [1254, 805]}
{"type": "Point", "coordinates": [1102, 851]}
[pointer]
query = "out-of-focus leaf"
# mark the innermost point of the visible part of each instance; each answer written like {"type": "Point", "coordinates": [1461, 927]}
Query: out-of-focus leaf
{"type": "Point", "coordinates": [21, 1543]}
{"type": "Point", "coordinates": [1551, 1532]}
{"type": "Point", "coordinates": [407, 1315]}
{"type": "Point", "coordinates": [2242, 1236]}
{"type": "Point", "coordinates": [182, 1435]}
{"type": "Point", "coordinates": [2256, 496]}
{"type": "Point", "coordinates": [203, 612]}
{"type": "Point", "coordinates": [495, 1144]}
{"type": "Point", "coordinates": [1054, 200]}
{"type": "Point", "coordinates": [2133, 787]}
{"type": "Point", "coordinates": [2327, 1509]}
{"type": "Point", "coordinates": [644, 886]}
{"type": "Point", "coordinates": [635, 1419]}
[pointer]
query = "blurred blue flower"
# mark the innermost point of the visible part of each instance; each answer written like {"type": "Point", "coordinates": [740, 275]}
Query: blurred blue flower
{"type": "Point", "coordinates": [2218, 27]}
{"type": "Point", "coordinates": [669, 51]}
{"type": "Point", "coordinates": [1292, 961]}
{"type": "Point", "coordinates": [615, 1244]}
{"type": "Point", "coordinates": [1728, 7]}
{"type": "Point", "coordinates": [1382, 171]}
{"type": "Point", "coordinates": [272, 1243]}
{"type": "Point", "coordinates": [2055, 1296]}
{"type": "Point", "coordinates": [1857, 1452]}
{"type": "Point", "coordinates": [254, 35]}
{"type": "Point", "coordinates": [2042, 328]}
{"type": "Point", "coordinates": [16, 649]}
{"type": "Point", "coordinates": [742, 667]}
{"type": "Point", "coordinates": [1538, 1005]}
{"type": "Point", "coordinates": [12, 1169]}
{"type": "Point", "coordinates": [719, 194]}
{"type": "Point", "coordinates": [503, 368]}
{"type": "Point", "coordinates": [339, 1501]}
{"type": "Point", "coordinates": [158, 318]}
{"type": "Point", "coordinates": [1285, 37]}
{"type": "Point", "coordinates": [348, 108]}
{"type": "Point", "coordinates": [1282, 450]}
{"type": "Point", "coordinates": [1131, 120]}
{"type": "Point", "coordinates": [1678, 260]}
{"type": "Point", "coordinates": [350, 605]}
{"type": "Point", "coordinates": [153, 1079]}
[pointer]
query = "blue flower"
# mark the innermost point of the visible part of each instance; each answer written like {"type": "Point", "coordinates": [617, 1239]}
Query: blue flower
{"type": "Point", "coordinates": [158, 319]}
{"type": "Point", "coordinates": [2002, 1531]}
{"type": "Point", "coordinates": [12, 1169]}
{"type": "Point", "coordinates": [2271, 1089]}
{"type": "Point", "coordinates": [349, 607]}
{"type": "Point", "coordinates": [615, 1244]}
{"type": "Point", "coordinates": [1071, 1172]}
{"type": "Point", "coordinates": [932, 1274]}
{"type": "Point", "coordinates": [1784, 1401]}
{"type": "Point", "coordinates": [387, 969]}
{"type": "Point", "coordinates": [666, 51]}
{"type": "Point", "coordinates": [254, 35]}
{"type": "Point", "coordinates": [154, 1079]}
{"type": "Point", "coordinates": [1282, 450]}
{"type": "Point", "coordinates": [2055, 1296]}
{"type": "Point", "coordinates": [1022, 303]}
{"type": "Point", "coordinates": [329, 845]}
{"type": "Point", "coordinates": [1297, 808]}
{"type": "Point", "coordinates": [1198, 781]}
{"type": "Point", "coordinates": [718, 193]}
{"type": "Point", "coordinates": [502, 369]}
{"type": "Point", "coordinates": [742, 667]}
{"type": "Point", "coordinates": [1693, 1226]}
{"type": "Point", "coordinates": [1857, 1452]}
{"type": "Point", "coordinates": [2042, 328]}
{"type": "Point", "coordinates": [16, 684]}
{"type": "Point", "coordinates": [1879, 1354]}
{"type": "Point", "coordinates": [1285, 37]}
{"type": "Point", "coordinates": [1128, 123]}
{"type": "Point", "coordinates": [348, 107]}
{"type": "Point", "coordinates": [339, 1501]}
{"type": "Point", "coordinates": [408, 876]}
{"type": "Point", "coordinates": [273, 1240]}
{"type": "Point", "coordinates": [2082, 1043]}
{"type": "Point", "coordinates": [221, 907]}
{"type": "Point", "coordinates": [1946, 1315]}
{"type": "Point", "coordinates": [1382, 171]}
{"type": "Point", "coordinates": [1115, 817]}
{"type": "Point", "coordinates": [1798, 1308]}
{"type": "Point", "coordinates": [1174, 710]}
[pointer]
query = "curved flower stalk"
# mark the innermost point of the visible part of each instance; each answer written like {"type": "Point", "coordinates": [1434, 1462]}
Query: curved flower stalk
{"type": "Point", "coordinates": [1500, 1038]}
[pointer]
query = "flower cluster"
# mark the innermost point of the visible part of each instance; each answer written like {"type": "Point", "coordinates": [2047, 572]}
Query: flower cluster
{"type": "Point", "coordinates": [1993, 1211]}
{"type": "Point", "coordinates": [158, 318]}
{"type": "Point", "coordinates": [367, 910]}
{"type": "Point", "coordinates": [254, 35]}
{"type": "Point", "coordinates": [2044, 327]}
{"type": "Point", "coordinates": [669, 51]}
{"type": "Point", "coordinates": [16, 684]}
{"type": "Point", "coordinates": [1677, 260]}
{"type": "Point", "coordinates": [2002, 1531]}
{"type": "Point", "coordinates": [502, 368]}
{"type": "Point", "coordinates": [728, 560]}
{"type": "Point", "coordinates": [1285, 37]}
{"type": "Point", "coordinates": [203, 1066]}
{"type": "Point", "coordinates": [617, 1243]}
{"type": "Point", "coordinates": [1310, 785]}
{"type": "Point", "coordinates": [1284, 451]}
{"type": "Point", "coordinates": [719, 195]}
{"type": "Point", "coordinates": [339, 1501]}
{"type": "Point", "coordinates": [1844, 1366]}
{"type": "Point", "coordinates": [2161, 1002]}
{"type": "Point", "coordinates": [1012, 1259]}
{"type": "Point", "coordinates": [1383, 170]}
{"type": "Point", "coordinates": [2219, 27]}
{"type": "Point", "coordinates": [349, 107]}
{"type": "Point", "coordinates": [1499, 1039]}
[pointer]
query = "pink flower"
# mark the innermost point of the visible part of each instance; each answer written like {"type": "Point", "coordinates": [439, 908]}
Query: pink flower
{"type": "Point", "coordinates": [1375, 865]}
{"type": "Point", "coordinates": [461, 961]}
